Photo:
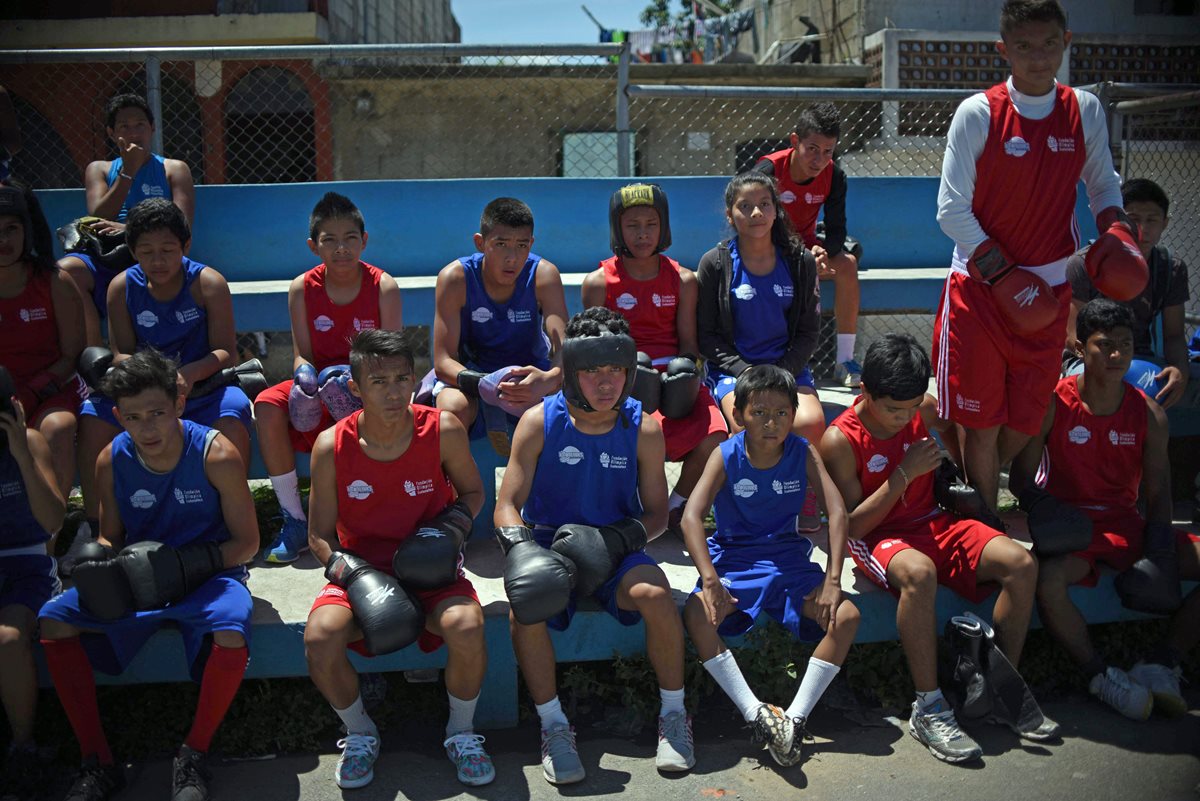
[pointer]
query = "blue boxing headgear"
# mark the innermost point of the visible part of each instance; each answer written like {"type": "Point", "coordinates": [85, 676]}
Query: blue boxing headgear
{"type": "Point", "coordinates": [638, 195]}
{"type": "Point", "coordinates": [588, 352]}
{"type": "Point", "coordinates": [12, 202]}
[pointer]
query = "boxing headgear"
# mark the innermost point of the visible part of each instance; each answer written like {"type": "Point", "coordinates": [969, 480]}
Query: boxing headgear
{"type": "Point", "coordinates": [12, 202]}
{"type": "Point", "coordinates": [585, 353]}
{"type": "Point", "coordinates": [638, 195]}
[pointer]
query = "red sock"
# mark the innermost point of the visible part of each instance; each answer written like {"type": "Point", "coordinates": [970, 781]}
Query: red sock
{"type": "Point", "coordinates": [76, 686]}
{"type": "Point", "coordinates": [222, 677]}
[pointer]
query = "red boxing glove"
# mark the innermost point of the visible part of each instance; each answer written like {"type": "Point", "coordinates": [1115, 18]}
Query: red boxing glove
{"type": "Point", "coordinates": [1114, 262]}
{"type": "Point", "coordinates": [1025, 301]}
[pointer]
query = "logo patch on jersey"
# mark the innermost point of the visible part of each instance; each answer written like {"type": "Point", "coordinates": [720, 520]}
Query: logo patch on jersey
{"type": "Point", "coordinates": [1061, 144]}
{"type": "Point", "coordinates": [519, 315]}
{"type": "Point", "coordinates": [966, 404]}
{"type": "Point", "coordinates": [187, 315]}
{"type": "Point", "coordinates": [813, 200]}
{"type": "Point", "coordinates": [142, 499]}
{"type": "Point", "coordinates": [613, 462]}
{"type": "Point", "coordinates": [481, 314]}
{"type": "Point", "coordinates": [745, 488]}
{"type": "Point", "coordinates": [1079, 435]}
{"type": "Point", "coordinates": [422, 487]}
{"type": "Point", "coordinates": [11, 489]}
{"type": "Point", "coordinates": [787, 196]}
{"type": "Point", "coordinates": [364, 325]}
{"type": "Point", "coordinates": [359, 490]}
{"type": "Point", "coordinates": [663, 301]}
{"type": "Point", "coordinates": [1122, 437]}
{"type": "Point", "coordinates": [786, 487]}
{"type": "Point", "coordinates": [626, 301]}
{"type": "Point", "coordinates": [570, 455]}
{"type": "Point", "coordinates": [782, 291]}
{"type": "Point", "coordinates": [152, 190]}
{"type": "Point", "coordinates": [33, 315]}
{"type": "Point", "coordinates": [877, 463]}
{"type": "Point", "coordinates": [744, 292]}
{"type": "Point", "coordinates": [147, 319]}
{"type": "Point", "coordinates": [323, 323]}
{"type": "Point", "coordinates": [1016, 147]}
{"type": "Point", "coordinates": [188, 496]}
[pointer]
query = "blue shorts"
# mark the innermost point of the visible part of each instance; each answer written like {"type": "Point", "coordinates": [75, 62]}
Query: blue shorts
{"type": "Point", "coordinates": [606, 596]}
{"type": "Point", "coordinates": [222, 603]}
{"type": "Point", "coordinates": [28, 580]}
{"type": "Point", "coordinates": [721, 384]}
{"type": "Point", "coordinates": [227, 402]}
{"type": "Point", "coordinates": [768, 577]}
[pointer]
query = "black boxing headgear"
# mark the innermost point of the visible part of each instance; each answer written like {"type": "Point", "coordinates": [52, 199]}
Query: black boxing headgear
{"type": "Point", "coordinates": [638, 195]}
{"type": "Point", "coordinates": [588, 352]}
{"type": "Point", "coordinates": [12, 202]}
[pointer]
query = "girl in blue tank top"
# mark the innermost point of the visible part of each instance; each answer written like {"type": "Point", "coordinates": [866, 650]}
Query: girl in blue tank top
{"type": "Point", "coordinates": [177, 328]}
{"type": "Point", "coordinates": [150, 181]}
{"type": "Point", "coordinates": [760, 306]}
{"type": "Point", "coordinates": [495, 335]}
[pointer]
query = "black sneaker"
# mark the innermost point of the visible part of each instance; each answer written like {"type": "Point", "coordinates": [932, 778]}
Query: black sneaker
{"type": "Point", "coordinates": [190, 776]}
{"type": "Point", "coordinates": [23, 776]}
{"type": "Point", "coordinates": [96, 782]}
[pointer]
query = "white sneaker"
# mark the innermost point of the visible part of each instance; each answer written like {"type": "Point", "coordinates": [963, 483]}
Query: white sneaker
{"type": "Point", "coordinates": [676, 752]}
{"type": "Point", "coordinates": [1163, 683]}
{"type": "Point", "coordinates": [1115, 688]}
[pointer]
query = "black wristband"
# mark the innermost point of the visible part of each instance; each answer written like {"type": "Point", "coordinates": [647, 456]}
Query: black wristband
{"type": "Point", "coordinates": [468, 382]}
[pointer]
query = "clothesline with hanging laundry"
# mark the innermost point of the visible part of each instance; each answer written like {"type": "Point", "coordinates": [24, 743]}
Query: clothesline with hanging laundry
{"type": "Point", "coordinates": [702, 40]}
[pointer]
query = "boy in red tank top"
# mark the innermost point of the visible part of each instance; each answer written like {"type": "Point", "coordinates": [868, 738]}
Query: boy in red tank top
{"type": "Point", "coordinates": [1014, 157]}
{"type": "Point", "coordinates": [1102, 444]}
{"type": "Point", "coordinates": [880, 455]}
{"type": "Point", "coordinates": [394, 491]}
{"type": "Point", "coordinates": [328, 305]}
{"type": "Point", "coordinates": [658, 298]}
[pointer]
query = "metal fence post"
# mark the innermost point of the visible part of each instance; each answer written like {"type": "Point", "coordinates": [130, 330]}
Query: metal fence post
{"type": "Point", "coordinates": [624, 154]}
{"type": "Point", "coordinates": [154, 98]}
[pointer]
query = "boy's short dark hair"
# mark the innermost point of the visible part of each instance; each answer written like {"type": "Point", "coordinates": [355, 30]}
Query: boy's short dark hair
{"type": "Point", "coordinates": [505, 211]}
{"type": "Point", "coordinates": [126, 100]}
{"type": "Point", "coordinates": [896, 367]}
{"type": "Point", "coordinates": [1019, 12]}
{"type": "Point", "coordinates": [819, 118]}
{"type": "Point", "coordinates": [371, 346]}
{"type": "Point", "coordinates": [592, 322]}
{"type": "Point", "coordinates": [1104, 315]}
{"type": "Point", "coordinates": [334, 207]}
{"type": "Point", "coordinates": [147, 369]}
{"type": "Point", "coordinates": [155, 214]}
{"type": "Point", "coordinates": [1143, 190]}
{"type": "Point", "coordinates": [764, 378]}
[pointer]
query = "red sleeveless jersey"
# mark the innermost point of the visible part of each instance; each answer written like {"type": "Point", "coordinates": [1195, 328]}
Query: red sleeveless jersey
{"type": "Point", "coordinates": [649, 306]}
{"type": "Point", "coordinates": [802, 201]}
{"type": "Point", "coordinates": [1090, 460]}
{"type": "Point", "coordinates": [382, 503]}
{"type": "Point", "coordinates": [30, 341]}
{"type": "Point", "coordinates": [875, 459]}
{"type": "Point", "coordinates": [332, 327]}
{"type": "Point", "coordinates": [1026, 178]}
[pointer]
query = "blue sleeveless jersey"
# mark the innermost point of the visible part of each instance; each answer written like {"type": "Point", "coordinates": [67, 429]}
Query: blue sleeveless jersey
{"type": "Point", "coordinates": [178, 327]}
{"type": "Point", "coordinates": [755, 506]}
{"type": "Point", "coordinates": [494, 335]}
{"type": "Point", "coordinates": [178, 507]}
{"type": "Point", "coordinates": [20, 528]}
{"type": "Point", "coordinates": [760, 309]}
{"type": "Point", "coordinates": [150, 181]}
{"type": "Point", "coordinates": [585, 478]}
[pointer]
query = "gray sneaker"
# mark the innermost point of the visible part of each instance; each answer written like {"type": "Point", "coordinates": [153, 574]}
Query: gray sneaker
{"type": "Point", "coordinates": [560, 757]}
{"type": "Point", "coordinates": [939, 732]}
{"type": "Point", "coordinates": [771, 728]}
{"type": "Point", "coordinates": [795, 754]}
{"type": "Point", "coordinates": [675, 750]}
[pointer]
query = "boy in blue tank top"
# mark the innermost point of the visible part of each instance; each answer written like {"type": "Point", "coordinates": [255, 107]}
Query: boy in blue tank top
{"type": "Point", "coordinates": [756, 562]}
{"type": "Point", "coordinates": [174, 496]}
{"type": "Point", "coordinates": [583, 492]}
{"type": "Point", "coordinates": [498, 325]}
{"type": "Point", "coordinates": [184, 310]}
{"type": "Point", "coordinates": [31, 507]}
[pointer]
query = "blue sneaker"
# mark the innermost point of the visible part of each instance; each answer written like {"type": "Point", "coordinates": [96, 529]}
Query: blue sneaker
{"type": "Point", "coordinates": [848, 373]}
{"type": "Point", "coordinates": [356, 766]}
{"type": "Point", "coordinates": [291, 542]}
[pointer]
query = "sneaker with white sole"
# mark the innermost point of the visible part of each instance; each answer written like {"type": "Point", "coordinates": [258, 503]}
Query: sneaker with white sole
{"type": "Point", "coordinates": [356, 766]}
{"type": "Point", "coordinates": [795, 754]}
{"type": "Point", "coordinates": [291, 542]}
{"type": "Point", "coordinates": [560, 757]}
{"type": "Point", "coordinates": [473, 764]}
{"type": "Point", "coordinates": [1115, 688]}
{"type": "Point", "coordinates": [1163, 684]}
{"type": "Point", "coordinates": [938, 730]}
{"type": "Point", "coordinates": [848, 373]}
{"type": "Point", "coordinates": [772, 729]}
{"type": "Point", "coordinates": [676, 753]}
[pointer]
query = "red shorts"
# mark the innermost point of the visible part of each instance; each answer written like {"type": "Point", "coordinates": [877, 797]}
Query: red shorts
{"type": "Point", "coordinates": [1117, 541]}
{"type": "Point", "coordinates": [683, 434]}
{"type": "Point", "coordinates": [955, 547]}
{"type": "Point", "coordinates": [428, 641]}
{"type": "Point", "coordinates": [987, 375]}
{"type": "Point", "coordinates": [302, 442]}
{"type": "Point", "coordinates": [68, 399]}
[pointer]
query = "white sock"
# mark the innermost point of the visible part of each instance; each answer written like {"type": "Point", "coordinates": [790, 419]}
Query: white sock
{"type": "Point", "coordinates": [462, 715]}
{"type": "Point", "coordinates": [928, 701]}
{"type": "Point", "coordinates": [725, 672]}
{"type": "Point", "coordinates": [845, 347]}
{"type": "Point", "coordinates": [812, 686]}
{"type": "Point", "coordinates": [287, 490]}
{"type": "Point", "coordinates": [675, 501]}
{"type": "Point", "coordinates": [551, 714]}
{"type": "Point", "coordinates": [672, 701]}
{"type": "Point", "coordinates": [356, 719]}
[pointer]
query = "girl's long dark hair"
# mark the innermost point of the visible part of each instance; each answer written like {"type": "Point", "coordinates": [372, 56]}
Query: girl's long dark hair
{"type": "Point", "coordinates": [783, 233]}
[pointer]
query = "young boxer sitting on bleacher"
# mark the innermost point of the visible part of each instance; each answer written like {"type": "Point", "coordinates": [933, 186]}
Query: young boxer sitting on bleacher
{"type": "Point", "coordinates": [394, 491]}
{"type": "Point", "coordinates": [1102, 445]}
{"type": "Point", "coordinates": [584, 490]}
{"type": "Point", "coordinates": [174, 494]}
